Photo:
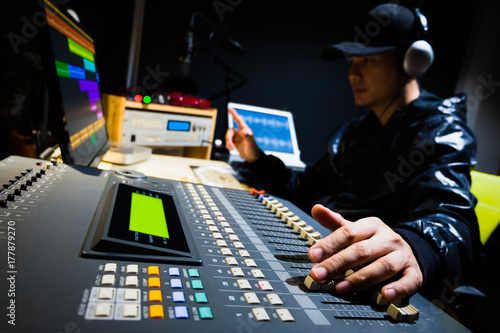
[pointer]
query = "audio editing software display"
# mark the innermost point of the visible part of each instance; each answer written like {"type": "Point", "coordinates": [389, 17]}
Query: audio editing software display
{"type": "Point", "coordinates": [76, 89]}
{"type": "Point", "coordinates": [87, 250]}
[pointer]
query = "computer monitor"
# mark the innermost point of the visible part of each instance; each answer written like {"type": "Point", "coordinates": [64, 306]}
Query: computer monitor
{"type": "Point", "coordinates": [76, 110]}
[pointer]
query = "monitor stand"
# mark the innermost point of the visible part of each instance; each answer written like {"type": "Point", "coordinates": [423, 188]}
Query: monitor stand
{"type": "Point", "coordinates": [119, 153]}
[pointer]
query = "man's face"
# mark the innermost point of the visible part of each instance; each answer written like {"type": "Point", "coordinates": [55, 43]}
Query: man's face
{"type": "Point", "coordinates": [375, 80]}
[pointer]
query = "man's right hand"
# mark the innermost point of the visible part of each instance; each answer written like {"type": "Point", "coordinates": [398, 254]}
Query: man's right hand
{"type": "Point", "coordinates": [242, 139]}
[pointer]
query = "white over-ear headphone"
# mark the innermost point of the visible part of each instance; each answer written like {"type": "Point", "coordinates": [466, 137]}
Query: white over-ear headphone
{"type": "Point", "coordinates": [419, 55]}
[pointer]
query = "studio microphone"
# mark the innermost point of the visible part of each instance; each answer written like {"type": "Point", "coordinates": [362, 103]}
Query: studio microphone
{"type": "Point", "coordinates": [188, 55]}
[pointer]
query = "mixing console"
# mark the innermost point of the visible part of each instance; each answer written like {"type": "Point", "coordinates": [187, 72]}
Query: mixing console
{"type": "Point", "coordinates": [86, 250]}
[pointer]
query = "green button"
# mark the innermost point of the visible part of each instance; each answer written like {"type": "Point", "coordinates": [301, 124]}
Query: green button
{"type": "Point", "coordinates": [193, 272]}
{"type": "Point", "coordinates": [196, 284]}
{"type": "Point", "coordinates": [200, 298]}
{"type": "Point", "coordinates": [205, 313]}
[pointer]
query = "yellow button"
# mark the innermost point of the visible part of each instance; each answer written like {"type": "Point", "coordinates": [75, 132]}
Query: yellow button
{"type": "Point", "coordinates": [153, 270]}
{"type": "Point", "coordinates": [156, 311]}
{"type": "Point", "coordinates": [154, 282]}
{"type": "Point", "coordinates": [155, 296]}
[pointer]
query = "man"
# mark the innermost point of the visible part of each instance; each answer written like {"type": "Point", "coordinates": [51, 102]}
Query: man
{"type": "Point", "coordinates": [401, 172]}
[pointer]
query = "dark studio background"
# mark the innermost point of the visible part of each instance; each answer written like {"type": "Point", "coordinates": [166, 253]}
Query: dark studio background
{"type": "Point", "coordinates": [282, 41]}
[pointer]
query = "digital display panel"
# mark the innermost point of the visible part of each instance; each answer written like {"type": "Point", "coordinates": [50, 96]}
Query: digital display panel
{"type": "Point", "coordinates": [175, 125]}
{"type": "Point", "coordinates": [147, 216]}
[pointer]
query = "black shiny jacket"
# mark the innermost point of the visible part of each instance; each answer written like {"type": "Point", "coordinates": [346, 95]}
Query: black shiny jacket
{"type": "Point", "coordinates": [413, 174]}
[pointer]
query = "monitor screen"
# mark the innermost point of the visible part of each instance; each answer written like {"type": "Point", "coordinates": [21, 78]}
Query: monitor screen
{"type": "Point", "coordinates": [73, 84]}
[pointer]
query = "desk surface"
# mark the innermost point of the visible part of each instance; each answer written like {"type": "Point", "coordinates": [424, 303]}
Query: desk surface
{"type": "Point", "coordinates": [207, 172]}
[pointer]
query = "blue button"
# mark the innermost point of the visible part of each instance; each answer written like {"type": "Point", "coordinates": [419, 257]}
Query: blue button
{"type": "Point", "coordinates": [197, 284]}
{"type": "Point", "coordinates": [193, 272]}
{"type": "Point", "coordinates": [181, 312]}
{"type": "Point", "coordinates": [173, 271]}
{"type": "Point", "coordinates": [176, 283]}
{"type": "Point", "coordinates": [178, 297]}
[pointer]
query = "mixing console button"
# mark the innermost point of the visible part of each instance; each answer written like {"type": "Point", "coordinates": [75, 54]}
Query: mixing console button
{"type": "Point", "coordinates": [237, 272]}
{"type": "Point", "coordinates": [131, 295]}
{"type": "Point", "coordinates": [231, 261]}
{"type": "Point", "coordinates": [197, 285]}
{"type": "Point", "coordinates": [210, 222]}
{"type": "Point", "coordinates": [108, 280]}
{"type": "Point", "coordinates": [244, 284]}
{"type": "Point", "coordinates": [176, 283]}
{"type": "Point", "coordinates": [155, 296]}
{"type": "Point", "coordinates": [233, 237]}
{"type": "Point", "coordinates": [274, 299]}
{"type": "Point", "coordinates": [130, 311]}
{"type": "Point", "coordinates": [205, 313]}
{"type": "Point", "coordinates": [156, 311]}
{"type": "Point", "coordinates": [239, 245]}
{"type": "Point", "coordinates": [265, 285]}
{"type": "Point", "coordinates": [226, 252]}
{"type": "Point", "coordinates": [132, 281]}
{"type": "Point", "coordinates": [244, 253]}
{"type": "Point", "coordinates": [153, 270]}
{"type": "Point", "coordinates": [221, 243]}
{"type": "Point", "coordinates": [193, 272]}
{"type": "Point", "coordinates": [217, 235]}
{"type": "Point", "coordinates": [228, 231]}
{"type": "Point", "coordinates": [103, 310]}
{"type": "Point", "coordinates": [106, 294]}
{"type": "Point", "coordinates": [251, 298]}
{"type": "Point", "coordinates": [284, 315]}
{"type": "Point", "coordinates": [154, 282]}
{"type": "Point", "coordinates": [174, 271]}
{"type": "Point", "coordinates": [181, 312]}
{"type": "Point", "coordinates": [213, 229]}
{"type": "Point", "coordinates": [260, 314]}
{"type": "Point", "coordinates": [250, 263]}
{"type": "Point", "coordinates": [225, 225]}
{"type": "Point", "coordinates": [200, 298]}
{"type": "Point", "coordinates": [132, 269]}
{"type": "Point", "coordinates": [178, 297]}
{"type": "Point", "coordinates": [257, 273]}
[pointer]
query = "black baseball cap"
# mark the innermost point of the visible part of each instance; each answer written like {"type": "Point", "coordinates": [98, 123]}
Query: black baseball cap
{"type": "Point", "coordinates": [386, 27]}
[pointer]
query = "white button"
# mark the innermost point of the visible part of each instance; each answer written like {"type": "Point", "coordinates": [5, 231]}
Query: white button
{"type": "Point", "coordinates": [221, 243]}
{"type": "Point", "coordinates": [106, 293]}
{"type": "Point", "coordinates": [244, 284]}
{"type": "Point", "coordinates": [209, 222]}
{"type": "Point", "coordinates": [260, 314]}
{"type": "Point", "coordinates": [233, 238]}
{"type": "Point", "coordinates": [244, 253]}
{"type": "Point", "coordinates": [265, 285]}
{"type": "Point", "coordinates": [239, 245]}
{"type": "Point", "coordinates": [231, 261]}
{"type": "Point", "coordinates": [257, 273]}
{"type": "Point", "coordinates": [130, 311]}
{"type": "Point", "coordinates": [103, 310]}
{"type": "Point", "coordinates": [250, 263]}
{"type": "Point", "coordinates": [108, 279]}
{"type": "Point", "coordinates": [132, 269]}
{"type": "Point", "coordinates": [221, 218]}
{"type": "Point", "coordinates": [237, 272]}
{"type": "Point", "coordinates": [217, 235]}
{"type": "Point", "coordinates": [226, 252]}
{"type": "Point", "coordinates": [274, 299]}
{"type": "Point", "coordinates": [213, 229]}
{"type": "Point", "coordinates": [251, 298]}
{"type": "Point", "coordinates": [132, 281]}
{"type": "Point", "coordinates": [131, 294]}
{"type": "Point", "coordinates": [225, 225]}
{"type": "Point", "coordinates": [285, 315]}
{"type": "Point", "coordinates": [228, 231]}
{"type": "Point", "coordinates": [110, 268]}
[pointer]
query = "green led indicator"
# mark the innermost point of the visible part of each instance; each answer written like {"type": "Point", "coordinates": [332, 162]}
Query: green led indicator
{"type": "Point", "coordinates": [147, 216]}
{"type": "Point", "coordinates": [93, 139]}
{"type": "Point", "coordinates": [146, 99]}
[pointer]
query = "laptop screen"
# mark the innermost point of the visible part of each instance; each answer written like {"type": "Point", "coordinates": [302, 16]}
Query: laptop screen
{"type": "Point", "coordinates": [274, 131]}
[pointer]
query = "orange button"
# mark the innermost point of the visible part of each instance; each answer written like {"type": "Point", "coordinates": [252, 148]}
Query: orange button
{"type": "Point", "coordinates": [154, 282]}
{"type": "Point", "coordinates": [156, 311]}
{"type": "Point", "coordinates": [154, 270]}
{"type": "Point", "coordinates": [155, 296]}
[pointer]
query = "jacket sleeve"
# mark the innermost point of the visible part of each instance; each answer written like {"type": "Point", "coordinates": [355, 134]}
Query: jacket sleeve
{"type": "Point", "coordinates": [441, 207]}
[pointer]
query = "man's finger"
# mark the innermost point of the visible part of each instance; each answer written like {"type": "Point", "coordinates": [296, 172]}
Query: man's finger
{"type": "Point", "coordinates": [328, 218]}
{"type": "Point", "coordinates": [242, 125]}
{"type": "Point", "coordinates": [229, 139]}
{"type": "Point", "coordinates": [407, 285]}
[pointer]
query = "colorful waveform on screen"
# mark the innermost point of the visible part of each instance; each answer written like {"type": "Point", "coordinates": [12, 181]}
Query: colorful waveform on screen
{"type": "Point", "coordinates": [84, 70]}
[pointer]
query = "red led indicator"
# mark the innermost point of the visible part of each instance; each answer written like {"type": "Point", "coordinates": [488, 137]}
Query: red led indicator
{"type": "Point", "coordinates": [138, 98]}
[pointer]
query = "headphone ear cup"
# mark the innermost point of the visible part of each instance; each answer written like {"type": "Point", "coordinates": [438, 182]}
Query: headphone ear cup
{"type": "Point", "coordinates": [418, 58]}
